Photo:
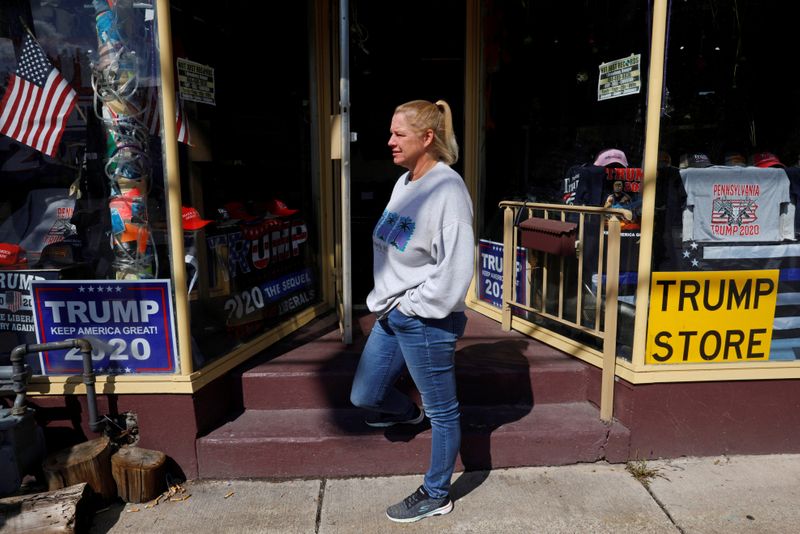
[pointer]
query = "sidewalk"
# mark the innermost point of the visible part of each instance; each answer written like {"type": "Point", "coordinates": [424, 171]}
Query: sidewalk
{"type": "Point", "coordinates": [688, 495]}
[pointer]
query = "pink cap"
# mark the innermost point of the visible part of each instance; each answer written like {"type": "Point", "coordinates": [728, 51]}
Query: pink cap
{"type": "Point", "coordinates": [609, 156]}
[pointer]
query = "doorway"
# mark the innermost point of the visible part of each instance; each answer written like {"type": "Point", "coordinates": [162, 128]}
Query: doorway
{"type": "Point", "coordinates": [417, 52]}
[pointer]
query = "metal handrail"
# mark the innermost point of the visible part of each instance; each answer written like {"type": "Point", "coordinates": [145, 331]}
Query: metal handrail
{"type": "Point", "coordinates": [568, 208]}
{"type": "Point", "coordinates": [609, 290]}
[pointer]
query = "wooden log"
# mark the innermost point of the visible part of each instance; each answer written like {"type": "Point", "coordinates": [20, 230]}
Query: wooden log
{"type": "Point", "coordinates": [139, 473]}
{"type": "Point", "coordinates": [62, 510]}
{"type": "Point", "coordinates": [88, 462]}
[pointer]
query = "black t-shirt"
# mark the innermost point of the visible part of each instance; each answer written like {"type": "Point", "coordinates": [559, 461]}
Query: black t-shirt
{"type": "Point", "coordinates": [583, 185]}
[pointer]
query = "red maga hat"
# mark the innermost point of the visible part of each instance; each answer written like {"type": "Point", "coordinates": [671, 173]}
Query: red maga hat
{"type": "Point", "coordinates": [10, 254]}
{"type": "Point", "coordinates": [766, 159]}
{"type": "Point", "coordinates": [192, 219]}
{"type": "Point", "coordinates": [279, 208]}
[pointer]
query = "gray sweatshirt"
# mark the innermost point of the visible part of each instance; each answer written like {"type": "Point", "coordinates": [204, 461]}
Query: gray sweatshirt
{"type": "Point", "coordinates": [424, 247]}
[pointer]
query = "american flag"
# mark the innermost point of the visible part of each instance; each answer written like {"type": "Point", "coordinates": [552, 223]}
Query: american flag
{"type": "Point", "coordinates": [152, 117]}
{"type": "Point", "coordinates": [697, 256]}
{"type": "Point", "coordinates": [182, 123]}
{"type": "Point", "coordinates": [37, 101]}
{"type": "Point", "coordinates": [15, 301]}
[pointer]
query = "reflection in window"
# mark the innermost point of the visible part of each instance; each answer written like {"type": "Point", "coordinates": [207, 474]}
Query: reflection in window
{"type": "Point", "coordinates": [80, 166]}
{"type": "Point", "coordinates": [563, 122]}
{"type": "Point", "coordinates": [253, 254]}
{"type": "Point", "coordinates": [730, 137]}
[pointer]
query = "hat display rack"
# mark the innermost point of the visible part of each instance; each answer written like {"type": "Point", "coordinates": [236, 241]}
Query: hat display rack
{"type": "Point", "coordinates": [115, 81]}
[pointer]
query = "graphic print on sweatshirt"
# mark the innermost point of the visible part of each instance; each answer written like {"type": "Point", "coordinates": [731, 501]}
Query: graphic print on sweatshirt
{"type": "Point", "coordinates": [395, 230]}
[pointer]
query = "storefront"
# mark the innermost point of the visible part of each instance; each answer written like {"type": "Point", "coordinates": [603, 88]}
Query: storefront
{"type": "Point", "coordinates": [694, 162]}
{"type": "Point", "coordinates": [184, 247]}
{"type": "Point", "coordinates": [703, 152]}
{"type": "Point", "coordinates": [162, 178]}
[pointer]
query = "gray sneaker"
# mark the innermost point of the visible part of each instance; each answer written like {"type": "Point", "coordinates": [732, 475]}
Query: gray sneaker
{"type": "Point", "coordinates": [382, 420]}
{"type": "Point", "coordinates": [419, 505]}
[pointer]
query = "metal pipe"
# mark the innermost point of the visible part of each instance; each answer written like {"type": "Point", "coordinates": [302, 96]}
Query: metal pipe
{"type": "Point", "coordinates": [609, 372]}
{"type": "Point", "coordinates": [509, 215]}
{"type": "Point", "coordinates": [20, 379]}
{"type": "Point", "coordinates": [88, 380]}
{"type": "Point", "coordinates": [620, 212]}
{"type": "Point", "coordinates": [344, 105]}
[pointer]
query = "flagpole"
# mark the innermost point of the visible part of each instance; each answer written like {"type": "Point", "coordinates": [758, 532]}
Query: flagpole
{"type": "Point", "coordinates": [27, 29]}
{"type": "Point", "coordinates": [80, 112]}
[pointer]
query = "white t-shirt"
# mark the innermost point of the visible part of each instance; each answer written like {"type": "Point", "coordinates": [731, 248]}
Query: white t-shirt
{"type": "Point", "coordinates": [735, 204]}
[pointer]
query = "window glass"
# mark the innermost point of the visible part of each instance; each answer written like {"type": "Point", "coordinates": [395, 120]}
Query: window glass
{"type": "Point", "coordinates": [80, 166]}
{"type": "Point", "coordinates": [564, 93]}
{"type": "Point", "coordinates": [728, 180]}
{"type": "Point", "coordinates": [252, 246]}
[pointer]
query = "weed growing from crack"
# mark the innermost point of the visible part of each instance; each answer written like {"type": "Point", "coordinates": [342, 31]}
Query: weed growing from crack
{"type": "Point", "coordinates": [643, 472]}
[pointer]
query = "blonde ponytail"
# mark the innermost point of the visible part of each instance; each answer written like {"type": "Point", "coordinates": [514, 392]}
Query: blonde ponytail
{"type": "Point", "coordinates": [450, 155]}
{"type": "Point", "coordinates": [423, 115]}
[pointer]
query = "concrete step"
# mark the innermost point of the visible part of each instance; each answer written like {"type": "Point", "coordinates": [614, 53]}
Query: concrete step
{"type": "Point", "coordinates": [315, 370]}
{"type": "Point", "coordinates": [336, 442]}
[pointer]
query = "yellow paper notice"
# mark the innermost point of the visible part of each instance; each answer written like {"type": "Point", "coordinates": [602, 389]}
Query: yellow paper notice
{"type": "Point", "coordinates": [711, 317]}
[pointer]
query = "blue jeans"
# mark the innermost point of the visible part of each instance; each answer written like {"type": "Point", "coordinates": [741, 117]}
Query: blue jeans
{"type": "Point", "coordinates": [427, 348]}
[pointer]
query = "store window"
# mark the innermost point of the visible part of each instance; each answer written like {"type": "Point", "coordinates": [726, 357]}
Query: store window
{"type": "Point", "coordinates": [564, 100]}
{"type": "Point", "coordinates": [726, 218]}
{"type": "Point", "coordinates": [82, 183]}
{"type": "Point", "coordinates": [249, 199]}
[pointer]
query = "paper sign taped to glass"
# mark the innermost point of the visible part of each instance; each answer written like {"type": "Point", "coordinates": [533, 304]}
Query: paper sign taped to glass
{"type": "Point", "coordinates": [620, 77]}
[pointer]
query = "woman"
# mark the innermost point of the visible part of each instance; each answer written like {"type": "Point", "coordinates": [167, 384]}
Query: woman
{"type": "Point", "coordinates": [423, 261]}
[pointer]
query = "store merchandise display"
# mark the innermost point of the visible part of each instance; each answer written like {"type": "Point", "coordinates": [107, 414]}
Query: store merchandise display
{"type": "Point", "coordinates": [118, 105]}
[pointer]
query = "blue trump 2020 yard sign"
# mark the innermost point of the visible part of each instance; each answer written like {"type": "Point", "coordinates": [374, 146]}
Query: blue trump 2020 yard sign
{"type": "Point", "coordinates": [129, 324]}
{"type": "Point", "coordinates": [490, 275]}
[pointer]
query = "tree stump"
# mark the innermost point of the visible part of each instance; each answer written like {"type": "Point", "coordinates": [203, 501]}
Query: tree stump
{"type": "Point", "coordinates": [88, 462]}
{"type": "Point", "coordinates": [63, 510]}
{"type": "Point", "coordinates": [139, 473]}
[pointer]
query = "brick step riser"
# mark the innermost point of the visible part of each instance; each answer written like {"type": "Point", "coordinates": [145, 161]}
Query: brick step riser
{"type": "Point", "coordinates": [283, 392]}
{"type": "Point", "coordinates": [360, 456]}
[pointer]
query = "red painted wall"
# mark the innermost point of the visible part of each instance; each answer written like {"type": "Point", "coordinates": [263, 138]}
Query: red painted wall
{"type": "Point", "coordinates": [167, 423]}
{"type": "Point", "coordinates": [707, 418]}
